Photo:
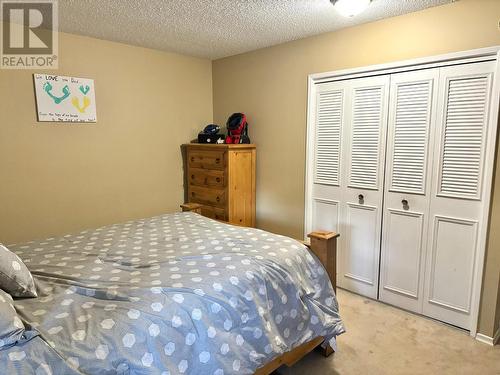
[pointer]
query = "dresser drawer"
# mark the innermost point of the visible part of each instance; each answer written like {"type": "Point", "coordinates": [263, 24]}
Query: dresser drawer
{"type": "Point", "coordinates": [214, 213]}
{"type": "Point", "coordinates": [207, 159]}
{"type": "Point", "coordinates": [205, 177]}
{"type": "Point", "coordinates": [212, 197]}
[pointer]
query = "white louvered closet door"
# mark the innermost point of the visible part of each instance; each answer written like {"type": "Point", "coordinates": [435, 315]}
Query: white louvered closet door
{"type": "Point", "coordinates": [411, 122]}
{"type": "Point", "coordinates": [412, 203]}
{"type": "Point", "coordinates": [362, 184]}
{"type": "Point", "coordinates": [330, 104]}
{"type": "Point", "coordinates": [458, 191]}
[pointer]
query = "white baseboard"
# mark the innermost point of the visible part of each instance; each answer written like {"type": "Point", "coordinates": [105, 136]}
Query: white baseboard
{"type": "Point", "coordinates": [487, 339]}
{"type": "Point", "coordinates": [484, 339]}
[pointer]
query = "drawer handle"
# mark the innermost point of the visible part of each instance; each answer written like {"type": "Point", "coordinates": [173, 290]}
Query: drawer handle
{"type": "Point", "coordinates": [192, 176]}
{"type": "Point", "coordinates": [217, 161]}
{"type": "Point", "coordinates": [206, 180]}
{"type": "Point", "coordinates": [217, 179]}
{"type": "Point", "coordinates": [217, 199]}
{"type": "Point", "coordinates": [192, 158]}
{"type": "Point", "coordinates": [192, 194]}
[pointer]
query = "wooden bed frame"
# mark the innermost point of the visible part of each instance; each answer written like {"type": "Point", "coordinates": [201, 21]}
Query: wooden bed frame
{"type": "Point", "coordinates": [324, 246]}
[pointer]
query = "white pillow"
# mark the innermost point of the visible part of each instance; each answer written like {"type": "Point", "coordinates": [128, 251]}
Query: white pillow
{"type": "Point", "coordinates": [15, 277]}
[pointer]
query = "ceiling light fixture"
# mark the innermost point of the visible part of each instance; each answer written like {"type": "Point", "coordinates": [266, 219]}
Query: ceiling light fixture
{"type": "Point", "coordinates": [350, 8]}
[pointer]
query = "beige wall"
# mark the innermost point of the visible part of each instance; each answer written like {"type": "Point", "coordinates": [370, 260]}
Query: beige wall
{"type": "Point", "coordinates": [491, 278]}
{"type": "Point", "coordinates": [270, 86]}
{"type": "Point", "coordinates": [57, 178]}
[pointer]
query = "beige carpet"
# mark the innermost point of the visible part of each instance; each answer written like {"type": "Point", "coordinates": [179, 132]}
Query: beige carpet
{"type": "Point", "coordinates": [381, 339]}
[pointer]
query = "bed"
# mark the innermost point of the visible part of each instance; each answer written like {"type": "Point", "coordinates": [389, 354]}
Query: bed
{"type": "Point", "coordinates": [173, 294]}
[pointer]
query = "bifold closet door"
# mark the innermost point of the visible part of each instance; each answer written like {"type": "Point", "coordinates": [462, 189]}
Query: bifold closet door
{"type": "Point", "coordinates": [412, 110]}
{"type": "Point", "coordinates": [364, 136]}
{"type": "Point", "coordinates": [429, 186]}
{"type": "Point", "coordinates": [329, 113]}
{"type": "Point", "coordinates": [347, 189]}
{"type": "Point", "coordinates": [458, 189]}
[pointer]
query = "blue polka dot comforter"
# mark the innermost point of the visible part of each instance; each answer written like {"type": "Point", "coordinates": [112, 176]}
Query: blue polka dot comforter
{"type": "Point", "coordinates": [173, 294]}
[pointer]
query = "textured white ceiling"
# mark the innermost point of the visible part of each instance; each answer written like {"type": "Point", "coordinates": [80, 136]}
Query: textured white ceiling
{"type": "Point", "coordinates": [216, 28]}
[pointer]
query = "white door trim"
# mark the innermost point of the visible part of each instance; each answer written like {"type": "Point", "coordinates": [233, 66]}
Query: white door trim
{"type": "Point", "coordinates": [455, 58]}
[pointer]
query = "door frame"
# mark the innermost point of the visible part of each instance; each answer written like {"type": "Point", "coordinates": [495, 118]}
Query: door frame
{"type": "Point", "coordinates": [455, 58]}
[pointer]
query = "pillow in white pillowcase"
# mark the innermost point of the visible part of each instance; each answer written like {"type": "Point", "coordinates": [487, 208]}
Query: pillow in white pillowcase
{"type": "Point", "coordinates": [11, 327]}
{"type": "Point", "coordinates": [15, 277]}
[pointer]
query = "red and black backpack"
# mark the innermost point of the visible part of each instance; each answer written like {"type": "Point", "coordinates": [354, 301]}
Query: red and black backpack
{"type": "Point", "coordinates": [237, 129]}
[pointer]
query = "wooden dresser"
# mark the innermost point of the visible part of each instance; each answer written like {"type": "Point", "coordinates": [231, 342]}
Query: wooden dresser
{"type": "Point", "coordinates": [222, 179]}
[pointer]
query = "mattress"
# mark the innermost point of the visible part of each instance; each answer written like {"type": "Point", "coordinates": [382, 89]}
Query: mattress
{"type": "Point", "coordinates": [172, 294]}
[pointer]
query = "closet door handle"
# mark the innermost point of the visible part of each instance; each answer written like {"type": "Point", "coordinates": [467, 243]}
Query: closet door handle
{"type": "Point", "coordinates": [361, 198]}
{"type": "Point", "coordinates": [405, 203]}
